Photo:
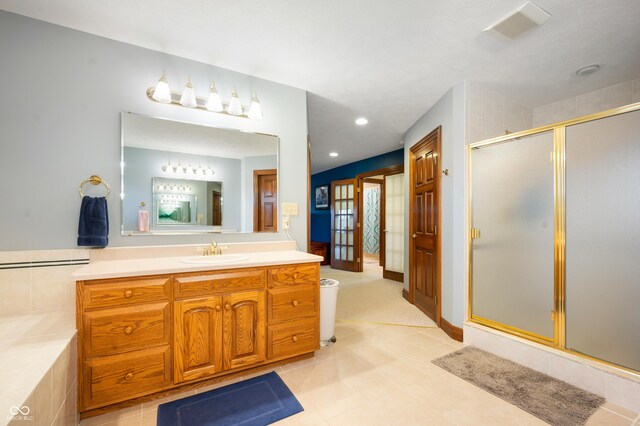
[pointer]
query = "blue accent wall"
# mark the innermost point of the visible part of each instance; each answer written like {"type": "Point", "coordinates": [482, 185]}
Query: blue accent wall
{"type": "Point", "coordinates": [321, 219]}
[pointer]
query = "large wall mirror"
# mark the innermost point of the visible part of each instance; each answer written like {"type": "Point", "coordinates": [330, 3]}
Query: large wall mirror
{"type": "Point", "coordinates": [194, 179]}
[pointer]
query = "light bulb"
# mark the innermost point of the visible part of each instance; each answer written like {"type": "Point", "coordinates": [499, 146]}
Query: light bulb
{"type": "Point", "coordinates": [235, 107]}
{"type": "Point", "coordinates": [162, 93]}
{"type": "Point", "coordinates": [255, 111]}
{"type": "Point", "coordinates": [164, 167]}
{"type": "Point", "coordinates": [214, 103]}
{"type": "Point", "coordinates": [188, 97]}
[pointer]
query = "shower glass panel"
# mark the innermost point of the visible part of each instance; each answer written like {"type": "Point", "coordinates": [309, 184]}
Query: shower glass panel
{"type": "Point", "coordinates": [513, 259]}
{"type": "Point", "coordinates": [394, 223]}
{"type": "Point", "coordinates": [603, 239]}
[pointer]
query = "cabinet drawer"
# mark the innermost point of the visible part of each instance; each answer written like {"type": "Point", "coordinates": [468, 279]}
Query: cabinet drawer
{"type": "Point", "coordinates": [126, 291]}
{"type": "Point", "coordinates": [205, 283]}
{"type": "Point", "coordinates": [111, 331]}
{"type": "Point", "coordinates": [292, 338]}
{"type": "Point", "coordinates": [116, 378]}
{"type": "Point", "coordinates": [292, 303]}
{"type": "Point", "coordinates": [294, 275]}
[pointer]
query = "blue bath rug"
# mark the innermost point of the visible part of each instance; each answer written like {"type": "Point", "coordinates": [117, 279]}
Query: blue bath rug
{"type": "Point", "coordinates": [254, 402]}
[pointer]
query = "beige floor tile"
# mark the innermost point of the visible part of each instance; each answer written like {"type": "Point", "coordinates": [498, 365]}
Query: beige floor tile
{"type": "Point", "coordinates": [305, 418]}
{"type": "Point", "coordinates": [153, 405]}
{"type": "Point", "coordinates": [402, 374]}
{"type": "Point", "coordinates": [359, 416]}
{"type": "Point", "coordinates": [620, 410]}
{"type": "Point", "coordinates": [149, 418]}
{"type": "Point", "coordinates": [131, 414]}
{"type": "Point", "coordinates": [604, 417]}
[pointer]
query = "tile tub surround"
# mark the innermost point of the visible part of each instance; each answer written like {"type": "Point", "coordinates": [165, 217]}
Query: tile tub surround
{"type": "Point", "coordinates": [618, 386]}
{"type": "Point", "coordinates": [39, 280]}
{"type": "Point", "coordinates": [38, 368]}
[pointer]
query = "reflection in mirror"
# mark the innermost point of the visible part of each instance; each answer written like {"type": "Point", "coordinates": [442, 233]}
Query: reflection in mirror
{"type": "Point", "coordinates": [196, 178]}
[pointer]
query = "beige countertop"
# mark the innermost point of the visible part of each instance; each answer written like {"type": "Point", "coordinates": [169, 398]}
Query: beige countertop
{"type": "Point", "coordinates": [170, 265]}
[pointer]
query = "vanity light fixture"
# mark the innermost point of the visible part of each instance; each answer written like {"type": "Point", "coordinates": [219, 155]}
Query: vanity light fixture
{"type": "Point", "coordinates": [333, 154]}
{"type": "Point", "coordinates": [255, 111]}
{"type": "Point", "coordinates": [187, 170]}
{"type": "Point", "coordinates": [235, 107]}
{"type": "Point", "coordinates": [214, 103]}
{"type": "Point", "coordinates": [162, 93]}
{"type": "Point", "coordinates": [188, 98]}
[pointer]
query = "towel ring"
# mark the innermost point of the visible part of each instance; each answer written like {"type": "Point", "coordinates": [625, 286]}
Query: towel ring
{"type": "Point", "coordinates": [94, 180]}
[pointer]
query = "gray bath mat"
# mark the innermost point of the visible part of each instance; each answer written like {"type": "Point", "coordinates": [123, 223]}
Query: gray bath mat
{"type": "Point", "coordinates": [556, 402]}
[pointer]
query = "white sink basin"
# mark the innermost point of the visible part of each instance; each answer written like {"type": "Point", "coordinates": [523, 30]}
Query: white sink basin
{"type": "Point", "coordinates": [214, 260]}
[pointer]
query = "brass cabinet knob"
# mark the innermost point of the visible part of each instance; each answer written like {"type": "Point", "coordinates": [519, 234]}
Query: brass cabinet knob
{"type": "Point", "coordinates": [128, 377]}
{"type": "Point", "coordinates": [218, 308]}
{"type": "Point", "coordinates": [128, 293]}
{"type": "Point", "coordinates": [294, 338]}
{"type": "Point", "coordinates": [295, 303]}
{"type": "Point", "coordinates": [414, 236]}
{"type": "Point", "coordinates": [227, 306]}
{"type": "Point", "coordinates": [296, 276]}
{"type": "Point", "coordinates": [128, 330]}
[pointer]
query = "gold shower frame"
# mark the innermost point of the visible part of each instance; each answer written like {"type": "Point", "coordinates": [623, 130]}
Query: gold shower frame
{"type": "Point", "coordinates": [559, 165]}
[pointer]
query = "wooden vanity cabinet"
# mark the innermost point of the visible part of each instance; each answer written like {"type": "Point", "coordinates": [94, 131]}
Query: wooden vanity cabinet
{"type": "Point", "coordinates": [218, 333]}
{"type": "Point", "coordinates": [142, 335]}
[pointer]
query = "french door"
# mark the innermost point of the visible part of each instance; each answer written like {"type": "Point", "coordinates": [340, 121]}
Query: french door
{"type": "Point", "coordinates": [344, 222]}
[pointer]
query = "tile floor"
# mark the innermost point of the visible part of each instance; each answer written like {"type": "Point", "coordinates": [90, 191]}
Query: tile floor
{"type": "Point", "coordinates": [381, 375]}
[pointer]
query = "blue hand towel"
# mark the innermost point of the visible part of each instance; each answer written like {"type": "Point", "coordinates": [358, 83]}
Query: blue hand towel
{"type": "Point", "coordinates": [93, 230]}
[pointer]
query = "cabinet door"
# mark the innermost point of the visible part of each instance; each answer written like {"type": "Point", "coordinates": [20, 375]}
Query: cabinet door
{"type": "Point", "coordinates": [197, 338]}
{"type": "Point", "coordinates": [244, 329]}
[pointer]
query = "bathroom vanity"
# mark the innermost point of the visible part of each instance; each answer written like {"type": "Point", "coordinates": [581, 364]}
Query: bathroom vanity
{"type": "Point", "coordinates": [148, 326]}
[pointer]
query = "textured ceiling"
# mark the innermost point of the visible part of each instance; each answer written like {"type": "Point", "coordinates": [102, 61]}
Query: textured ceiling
{"type": "Point", "coordinates": [388, 61]}
{"type": "Point", "coordinates": [140, 131]}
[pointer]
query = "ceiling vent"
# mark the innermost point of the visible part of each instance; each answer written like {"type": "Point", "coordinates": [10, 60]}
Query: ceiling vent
{"type": "Point", "coordinates": [522, 19]}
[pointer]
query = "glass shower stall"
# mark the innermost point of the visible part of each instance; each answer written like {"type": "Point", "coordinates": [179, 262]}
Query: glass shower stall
{"type": "Point", "coordinates": [555, 238]}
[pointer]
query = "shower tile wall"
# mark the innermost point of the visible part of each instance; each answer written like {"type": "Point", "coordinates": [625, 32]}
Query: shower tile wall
{"type": "Point", "coordinates": [490, 114]}
{"type": "Point", "coordinates": [599, 100]}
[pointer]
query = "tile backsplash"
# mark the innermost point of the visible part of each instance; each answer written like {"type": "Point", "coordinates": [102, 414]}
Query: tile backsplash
{"type": "Point", "coordinates": [38, 281]}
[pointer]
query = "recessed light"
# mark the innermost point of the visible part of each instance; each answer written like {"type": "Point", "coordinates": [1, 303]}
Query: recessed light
{"type": "Point", "coordinates": [333, 154]}
{"type": "Point", "coordinates": [361, 121]}
{"type": "Point", "coordinates": [589, 69]}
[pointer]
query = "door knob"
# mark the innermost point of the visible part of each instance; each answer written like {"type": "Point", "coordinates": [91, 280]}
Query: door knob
{"type": "Point", "coordinates": [414, 236]}
{"type": "Point", "coordinates": [294, 338]}
{"type": "Point", "coordinates": [128, 293]}
{"type": "Point", "coordinates": [295, 303]}
{"type": "Point", "coordinates": [218, 308]}
{"type": "Point", "coordinates": [128, 330]}
{"type": "Point", "coordinates": [128, 377]}
{"type": "Point", "coordinates": [227, 306]}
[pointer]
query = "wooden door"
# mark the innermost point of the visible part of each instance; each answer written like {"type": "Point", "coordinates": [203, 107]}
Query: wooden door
{"type": "Point", "coordinates": [265, 200]}
{"type": "Point", "coordinates": [344, 223]}
{"type": "Point", "coordinates": [216, 208]}
{"type": "Point", "coordinates": [424, 245]}
{"type": "Point", "coordinates": [244, 329]}
{"type": "Point", "coordinates": [197, 338]}
{"type": "Point", "coordinates": [393, 227]}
